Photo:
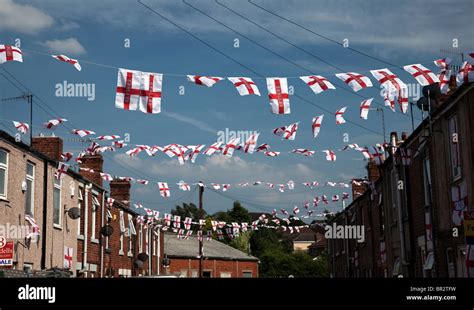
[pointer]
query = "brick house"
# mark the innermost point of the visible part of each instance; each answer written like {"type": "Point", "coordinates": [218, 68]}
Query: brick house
{"type": "Point", "coordinates": [28, 188]}
{"type": "Point", "coordinates": [220, 260]}
{"type": "Point", "coordinates": [411, 223]}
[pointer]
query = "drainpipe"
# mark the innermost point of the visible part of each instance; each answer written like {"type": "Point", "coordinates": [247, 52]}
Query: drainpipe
{"type": "Point", "coordinates": [86, 225]}
{"type": "Point", "coordinates": [401, 228]}
{"type": "Point", "coordinates": [158, 252]}
{"type": "Point", "coordinates": [45, 217]}
{"type": "Point", "coordinates": [102, 237]}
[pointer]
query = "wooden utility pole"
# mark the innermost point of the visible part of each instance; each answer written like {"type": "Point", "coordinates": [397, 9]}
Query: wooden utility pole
{"type": "Point", "coordinates": [201, 215]}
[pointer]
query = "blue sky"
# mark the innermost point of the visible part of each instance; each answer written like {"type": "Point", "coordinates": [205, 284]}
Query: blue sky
{"type": "Point", "coordinates": [403, 33]}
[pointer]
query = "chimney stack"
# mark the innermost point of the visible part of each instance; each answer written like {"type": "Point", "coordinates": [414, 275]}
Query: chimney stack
{"type": "Point", "coordinates": [358, 189]}
{"type": "Point", "coordinates": [373, 171]}
{"type": "Point", "coordinates": [49, 146]}
{"type": "Point", "coordinates": [120, 190]}
{"type": "Point", "coordinates": [94, 162]}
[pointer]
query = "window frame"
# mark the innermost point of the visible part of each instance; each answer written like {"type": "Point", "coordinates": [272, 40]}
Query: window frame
{"type": "Point", "coordinates": [30, 177]}
{"type": "Point", "coordinates": [4, 166]}
{"type": "Point", "coordinates": [57, 185]}
{"type": "Point", "coordinates": [95, 206]}
{"type": "Point", "coordinates": [454, 147]}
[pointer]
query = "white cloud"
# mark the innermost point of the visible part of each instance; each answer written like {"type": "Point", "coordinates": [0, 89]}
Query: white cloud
{"type": "Point", "coordinates": [189, 120]}
{"type": "Point", "coordinates": [70, 46]}
{"type": "Point", "coordinates": [23, 18]}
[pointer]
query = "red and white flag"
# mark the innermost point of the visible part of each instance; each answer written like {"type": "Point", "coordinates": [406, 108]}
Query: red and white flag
{"type": "Point", "coordinates": [111, 137]}
{"type": "Point", "coordinates": [177, 221]}
{"type": "Point", "coordinates": [405, 154]}
{"type": "Point", "coordinates": [364, 108]}
{"type": "Point", "coordinates": [167, 219]}
{"type": "Point", "coordinates": [22, 128]}
{"type": "Point", "coordinates": [465, 73]}
{"type": "Point", "coordinates": [66, 156]}
{"type": "Point", "coordinates": [208, 81]}
{"type": "Point", "coordinates": [106, 176]}
{"type": "Point", "coordinates": [444, 76]}
{"type": "Point", "coordinates": [423, 75]}
{"type": "Point", "coordinates": [278, 94]}
{"type": "Point", "coordinates": [251, 143]}
{"type": "Point", "coordinates": [143, 182]}
{"type": "Point", "coordinates": [287, 132]}
{"type": "Point", "coordinates": [184, 186]}
{"type": "Point", "coordinates": [316, 125]}
{"type": "Point", "coordinates": [272, 154]}
{"type": "Point", "coordinates": [129, 83]}
{"type": "Point", "coordinates": [53, 123]}
{"type": "Point", "coordinates": [82, 132]}
{"type": "Point", "coordinates": [379, 154]}
{"type": "Point", "coordinates": [355, 80]}
{"type": "Point", "coordinates": [339, 116]}
{"type": "Point", "coordinates": [230, 147]}
{"type": "Point", "coordinates": [330, 155]}
{"type": "Point", "coordinates": [119, 144]}
{"type": "Point", "coordinates": [187, 223]}
{"type": "Point", "coordinates": [216, 147]}
{"type": "Point", "coordinates": [335, 198]}
{"type": "Point", "coordinates": [164, 189]}
{"type": "Point", "coordinates": [68, 257]}
{"type": "Point", "coordinates": [64, 58]}
{"type": "Point", "coordinates": [150, 92]}
{"type": "Point", "coordinates": [317, 83]}
{"type": "Point", "coordinates": [62, 169]}
{"type": "Point", "coordinates": [225, 187]}
{"type": "Point", "coordinates": [195, 150]}
{"type": "Point", "coordinates": [10, 53]}
{"type": "Point", "coordinates": [443, 63]}
{"type": "Point", "coordinates": [304, 152]}
{"type": "Point", "coordinates": [216, 186]}
{"type": "Point", "coordinates": [245, 86]}
{"type": "Point", "coordinates": [263, 147]}
{"type": "Point", "coordinates": [296, 210]}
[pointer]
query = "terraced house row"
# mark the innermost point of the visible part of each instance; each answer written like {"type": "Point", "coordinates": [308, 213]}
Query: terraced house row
{"type": "Point", "coordinates": [412, 211]}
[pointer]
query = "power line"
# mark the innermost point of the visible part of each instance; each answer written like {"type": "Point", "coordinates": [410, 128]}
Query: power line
{"type": "Point", "coordinates": [244, 66]}
{"type": "Point", "coordinates": [341, 85]}
{"type": "Point", "coordinates": [324, 37]}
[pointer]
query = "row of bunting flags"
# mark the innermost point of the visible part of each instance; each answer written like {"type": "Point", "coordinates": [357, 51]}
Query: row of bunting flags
{"type": "Point", "coordinates": [137, 90]}
{"type": "Point", "coordinates": [189, 153]}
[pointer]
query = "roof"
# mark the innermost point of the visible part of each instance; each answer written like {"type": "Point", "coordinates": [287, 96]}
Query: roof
{"type": "Point", "coordinates": [188, 248]}
{"type": "Point", "coordinates": [305, 235]}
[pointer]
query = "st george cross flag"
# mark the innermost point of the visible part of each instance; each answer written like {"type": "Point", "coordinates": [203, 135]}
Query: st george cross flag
{"type": "Point", "coordinates": [355, 80]}
{"type": "Point", "coordinates": [150, 92]}
{"type": "Point", "coordinates": [208, 81]}
{"type": "Point", "coordinates": [317, 83]}
{"type": "Point", "coordinates": [230, 147]}
{"type": "Point", "coordinates": [330, 155]}
{"type": "Point", "coordinates": [10, 53]}
{"type": "Point", "coordinates": [316, 125]}
{"type": "Point", "coordinates": [53, 123]}
{"type": "Point", "coordinates": [82, 132]}
{"type": "Point", "coordinates": [215, 147]}
{"type": "Point", "coordinates": [423, 75]}
{"type": "Point", "coordinates": [278, 95]}
{"type": "Point", "coordinates": [62, 169]}
{"type": "Point", "coordinates": [245, 86]}
{"type": "Point", "coordinates": [128, 89]}
{"type": "Point", "coordinates": [164, 189]}
{"type": "Point", "coordinates": [364, 108]}
{"type": "Point", "coordinates": [22, 128]}
{"type": "Point", "coordinates": [339, 116]}
{"type": "Point", "coordinates": [64, 58]}
{"type": "Point", "coordinates": [465, 73]}
{"type": "Point", "coordinates": [251, 143]}
{"type": "Point", "coordinates": [459, 200]}
{"type": "Point", "coordinates": [68, 257]}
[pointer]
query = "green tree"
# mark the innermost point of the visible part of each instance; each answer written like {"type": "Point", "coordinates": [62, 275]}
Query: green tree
{"type": "Point", "coordinates": [187, 210]}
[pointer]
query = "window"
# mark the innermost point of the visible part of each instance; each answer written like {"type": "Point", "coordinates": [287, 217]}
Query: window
{"type": "Point", "coordinates": [194, 273]}
{"type": "Point", "coordinates": [122, 232]}
{"type": "Point", "coordinates": [3, 174]}
{"type": "Point", "coordinates": [30, 188]}
{"type": "Point", "coordinates": [454, 152]}
{"type": "Point", "coordinates": [57, 202]}
{"type": "Point", "coordinates": [131, 231]}
{"type": "Point", "coordinates": [95, 206]}
{"type": "Point", "coordinates": [206, 274]}
{"type": "Point", "coordinates": [80, 201]}
{"type": "Point", "coordinates": [140, 239]}
{"type": "Point", "coordinates": [226, 275]}
{"type": "Point", "coordinates": [27, 267]}
{"type": "Point", "coordinates": [247, 274]}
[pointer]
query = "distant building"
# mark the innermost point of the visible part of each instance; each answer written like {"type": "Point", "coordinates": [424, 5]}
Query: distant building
{"type": "Point", "coordinates": [220, 260]}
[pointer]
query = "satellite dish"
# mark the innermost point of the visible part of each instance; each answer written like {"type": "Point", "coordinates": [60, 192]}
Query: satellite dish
{"type": "Point", "coordinates": [423, 104]}
{"type": "Point", "coordinates": [433, 89]}
{"type": "Point", "coordinates": [74, 213]}
{"type": "Point", "coordinates": [142, 257]}
{"type": "Point", "coordinates": [138, 264]}
{"type": "Point", "coordinates": [107, 230]}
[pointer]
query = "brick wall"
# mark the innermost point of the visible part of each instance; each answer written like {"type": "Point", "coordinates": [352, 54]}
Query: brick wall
{"type": "Point", "coordinates": [190, 267]}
